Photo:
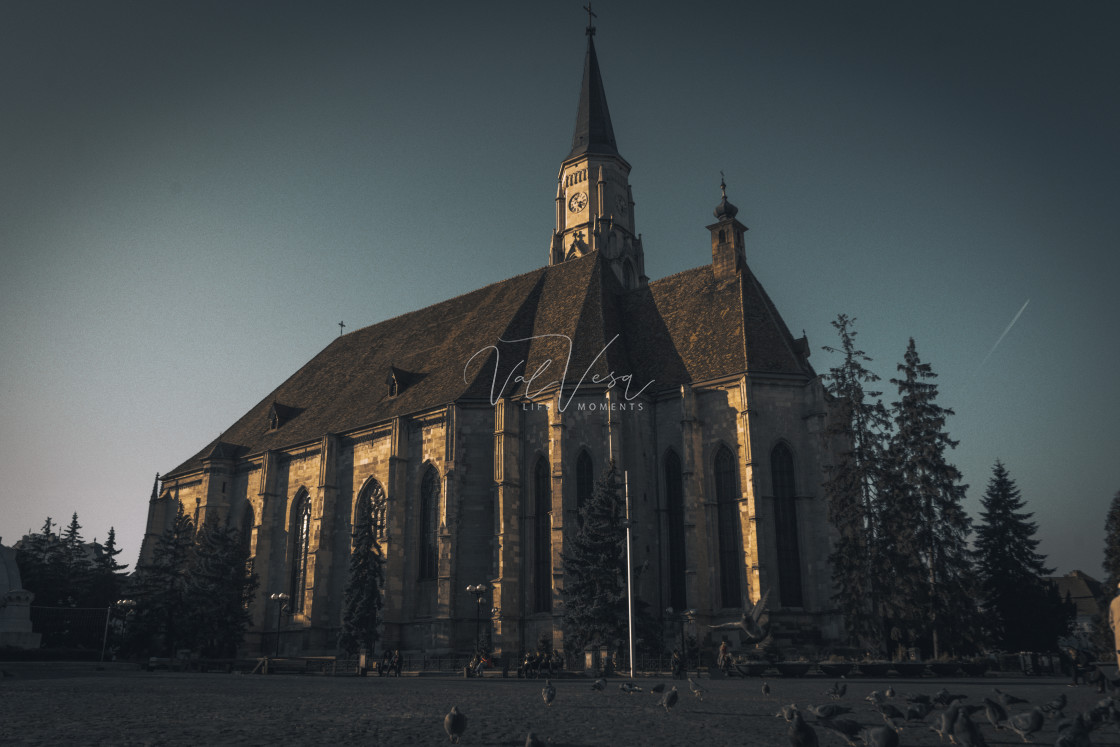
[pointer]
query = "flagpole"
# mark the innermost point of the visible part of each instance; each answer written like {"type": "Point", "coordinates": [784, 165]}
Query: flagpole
{"type": "Point", "coordinates": [629, 574]}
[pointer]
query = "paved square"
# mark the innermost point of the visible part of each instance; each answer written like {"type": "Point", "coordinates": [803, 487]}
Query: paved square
{"type": "Point", "coordinates": [40, 705]}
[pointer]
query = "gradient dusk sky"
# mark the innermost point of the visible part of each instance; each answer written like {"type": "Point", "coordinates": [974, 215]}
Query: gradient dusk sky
{"type": "Point", "coordinates": [194, 194]}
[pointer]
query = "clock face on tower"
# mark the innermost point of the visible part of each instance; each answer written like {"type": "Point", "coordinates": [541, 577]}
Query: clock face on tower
{"type": "Point", "coordinates": [620, 205]}
{"type": "Point", "coordinates": [577, 202]}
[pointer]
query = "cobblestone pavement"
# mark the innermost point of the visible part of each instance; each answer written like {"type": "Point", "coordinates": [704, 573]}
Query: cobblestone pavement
{"type": "Point", "coordinates": [44, 705]}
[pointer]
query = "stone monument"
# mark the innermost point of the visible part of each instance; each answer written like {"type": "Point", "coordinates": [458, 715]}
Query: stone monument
{"type": "Point", "coordinates": [15, 605]}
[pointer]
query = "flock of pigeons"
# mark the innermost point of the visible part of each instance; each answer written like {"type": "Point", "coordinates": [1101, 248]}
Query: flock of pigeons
{"type": "Point", "coordinates": [944, 712]}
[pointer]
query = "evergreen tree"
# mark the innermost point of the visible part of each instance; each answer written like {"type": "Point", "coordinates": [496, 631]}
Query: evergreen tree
{"type": "Point", "coordinates": [77, 564]}
{"type": "Point", "coordinates": [362, 599]}
{"type": "Point", "coordinates": [925, 533]}
{"type": "Point", "coordinates": [1102, 636]}
{"type": "Point", "coordinates": [107, 578]}
{"type": "Point", "coordinates": [859, 430]}
{"type": "Point", "coordinates": [219, 589]}
{"type": "Point", "coordinates": [157, 622]}
{"type": "Point", "coordinates": [42, 566]}
{"type": "Point", "coordinates": [595, 571]}
{"type": "Point", "coordinates": [1112, 548]}
{"type": "Point", "coordinates": [1017, 599]}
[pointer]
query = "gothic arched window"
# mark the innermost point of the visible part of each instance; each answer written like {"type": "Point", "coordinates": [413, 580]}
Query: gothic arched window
{"type": "Point", "coordinates": [628, 275]}
{"type": "Point", "coordinates": [301, 546]}
{"type": "Point", "coordinates": [429, 524]}
{"type": "Point", "coordinates": [585, 483]}
{"type": "Point", "coordinates": [542, 556]}
{"type": "Point", "coordinates": [727, 500]}
{"type": "Point", "coordinates": [674, 499]}
{"type": "Point", "coordinates": [372, 503]}
{"type": "Point", "coordinates": [785, 526]}
{"type": "Point", "coordinates": [248, 523]}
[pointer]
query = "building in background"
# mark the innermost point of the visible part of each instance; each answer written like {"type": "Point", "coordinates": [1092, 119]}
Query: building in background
{"type": "Point", "coordinates": [473, 430]}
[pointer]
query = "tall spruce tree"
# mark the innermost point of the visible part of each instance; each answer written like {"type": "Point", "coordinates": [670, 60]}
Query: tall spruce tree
{"type": "Point", "coordinates": [159, 622]}
{"type": "Point", "coordinates": [1015, 594]}
{"type": "Point", "coordinates": [933, 582]}
{"type": "Point", "coordinates": [42, 566]}
{"type": "Point", "coordinates": [219, 589]}
{"type": "Point", "coordinates": [362, 599]}
{"type": "Point", "coordinates": [106, 578]}
{"type": "Point", "coordinates": [77, 563]}
{"type": "Point", "coordinates": [594, 590]}
{"type": "Point", "coordinates": [1112, 547]}
{"type": "Point", "coordinates": [859, 430]}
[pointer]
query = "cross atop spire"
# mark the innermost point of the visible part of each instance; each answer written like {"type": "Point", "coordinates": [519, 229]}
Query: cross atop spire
{"type": "Point", "coordinates": [594, 133]}
{"type": "Point", "coordinates": [590, 19]}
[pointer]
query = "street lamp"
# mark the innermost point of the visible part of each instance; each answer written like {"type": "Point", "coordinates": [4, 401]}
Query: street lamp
{"type": "Point", "coordinates": [479, 590]}
{"type": "Point", "coordinates": [281, 608]}
{"type": "Point", "coordinates": [681, 617]}
{"type": "Point", "coordinates": [125, 604]}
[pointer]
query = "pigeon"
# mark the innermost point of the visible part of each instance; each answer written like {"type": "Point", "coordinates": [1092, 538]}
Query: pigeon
{"type": "Point", "coordinates": [1025, 724]}
{"type": "Point", "coordinates": [837, 690]}
{"type": "Point", "coordinates": [1073, 733]}
{"type": "Point", "coordinates": [875, 698]}
{"type": "Point", "coordinates": [532, 741]}
{"type": "Point", "coordinates": [765, 688]}
{"type": "Point", "coordinates": [548, 693]}
{"type": "Point", "coordinates": [917, 711]}
{"type": "Point", "coordinates": [943, 697]}
{"type": "Point", "coordinates": [1053, 709]}
{"type": "Point", "coordinates": [828, 710]}
{"type": "Point", "coordinates": [1007, 699]}
{"type": "Point", "coordinates": [786, 712]}
{"type": "Point", "coordinates": [598, 685]}
{"type": "Point", "coordinates": [696, 689]}
{"type": "Point", "coordinates": [965, 731]}
{"type": "Point", "coordinates": [629, 688]}
{"type": "Point", "coordinates": [879, 736]}
{"type": "Point", "coordinates": [657, 689]}
{"type": "Point", "coordinates": [996, 713]}
{"type": "Point", "coordinates": [754, 626]}
{"type": "Point", "coordinates": [943, 724]}
{"type": "Point", "coordinates": [454, 724]}
{"type": "Point", "coordinates": [892, 712]}
{"type": "Point", "coordinates": [847, 728]}
{"type": "Point", "coordinates": [890, 691]}
{"type": "Point", "coordinates": [800, 733]}
{"type": "Point", "coordinates": [669, 699]}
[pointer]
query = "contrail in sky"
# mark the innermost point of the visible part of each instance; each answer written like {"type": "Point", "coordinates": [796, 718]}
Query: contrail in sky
{"type": "Point", "coordinates": [1009, 326]}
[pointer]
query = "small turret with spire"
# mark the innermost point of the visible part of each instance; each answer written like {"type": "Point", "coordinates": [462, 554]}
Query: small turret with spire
{"type": "Point", "coordinates": [728, 252]}
{"type": "Point", "coordinates": [594, 204]}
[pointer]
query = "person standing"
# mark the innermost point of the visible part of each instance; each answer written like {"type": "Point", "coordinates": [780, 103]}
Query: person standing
{"type": "Point", "coordinates": [1114, 621]}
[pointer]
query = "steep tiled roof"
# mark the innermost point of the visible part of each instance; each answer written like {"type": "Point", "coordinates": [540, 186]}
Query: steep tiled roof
{"type": "Point", "coordinates": [684, 328]}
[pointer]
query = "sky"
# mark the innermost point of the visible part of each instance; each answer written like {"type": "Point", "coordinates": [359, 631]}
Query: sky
{"type": "Point", "coordinates": [194, 195]}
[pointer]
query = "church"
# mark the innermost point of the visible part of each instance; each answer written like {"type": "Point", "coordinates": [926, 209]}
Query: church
{"type": "Point", "coordinates": [473, 430]}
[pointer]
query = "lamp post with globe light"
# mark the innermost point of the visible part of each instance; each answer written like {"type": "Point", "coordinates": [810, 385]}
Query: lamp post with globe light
{"type": "Point", "coordinates": [281, 608]}
{"type": "Point", "coordinates": [479, 591]}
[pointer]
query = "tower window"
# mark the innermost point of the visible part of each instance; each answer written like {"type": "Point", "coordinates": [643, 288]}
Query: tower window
{"type": "Point", "coordinates": [674, 499]}
{"type": "Point", "coordinates": [728, 517]}
{"type": "Point", "coordinates": [785, 523]}
{"type": "Point", "coordinates": [372, 503]}
{"type": "Point", "coordinates": [429, 523]}
{"type": "Point", "coordinates": [542, 556]}
{"type": "Point", "coordinates": [301, 546]}
{"type": "Point", "coordinates": [585, 483]}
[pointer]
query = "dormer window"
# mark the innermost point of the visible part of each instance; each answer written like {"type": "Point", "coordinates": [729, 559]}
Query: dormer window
{"type": "Point", "coordinates": [279, 414]}
{"type": "Point", "coordinates": [393, 383]}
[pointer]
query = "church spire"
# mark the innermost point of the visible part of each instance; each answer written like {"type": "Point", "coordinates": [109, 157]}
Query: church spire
{"type": "Point", "coordinates": [594, 204]}
{"type": "Point", "coordinates": [593, 133]}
